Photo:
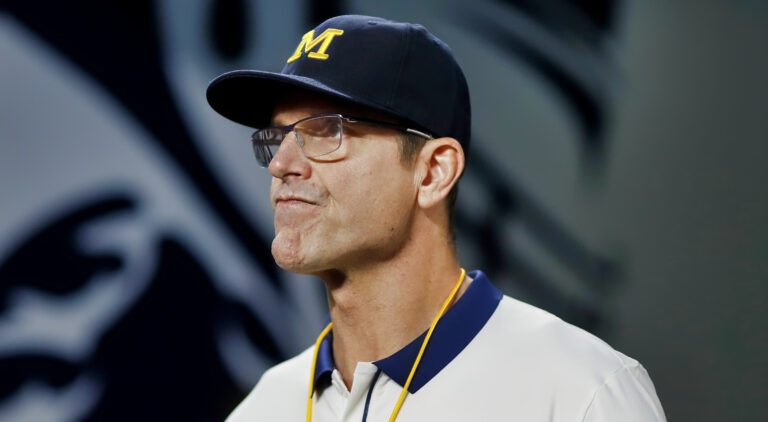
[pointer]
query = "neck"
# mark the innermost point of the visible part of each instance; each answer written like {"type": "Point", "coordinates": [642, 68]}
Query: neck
{"type": "Point", "coordinates": [379, 309]}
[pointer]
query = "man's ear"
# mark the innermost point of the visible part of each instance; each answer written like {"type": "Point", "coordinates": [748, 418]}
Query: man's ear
{"type": "Point", "coordinates": [443, 162]}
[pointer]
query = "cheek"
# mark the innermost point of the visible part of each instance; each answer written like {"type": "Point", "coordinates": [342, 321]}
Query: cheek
{"type": "Point", "coordinates": [375, 199]}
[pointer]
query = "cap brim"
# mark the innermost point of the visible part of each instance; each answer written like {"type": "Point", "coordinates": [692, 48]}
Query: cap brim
{"type": "Point", "coordinates": [248, 97]}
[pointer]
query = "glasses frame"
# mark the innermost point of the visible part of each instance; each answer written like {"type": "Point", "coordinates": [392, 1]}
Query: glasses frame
{"type": "Point", "coordinates": [262, 149]}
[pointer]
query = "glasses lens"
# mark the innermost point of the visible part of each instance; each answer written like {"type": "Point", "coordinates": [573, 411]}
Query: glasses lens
{"type": "Point", "coordinates": [265, 144]}
{"type": "Point", "coordinates": [320, 135]}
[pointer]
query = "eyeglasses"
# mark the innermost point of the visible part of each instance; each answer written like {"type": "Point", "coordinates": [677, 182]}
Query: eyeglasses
{"type": "Point", "coordinates": [316, 135]}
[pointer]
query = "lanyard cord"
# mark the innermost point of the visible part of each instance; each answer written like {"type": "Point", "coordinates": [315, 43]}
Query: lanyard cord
{"type": "Point", "coordinates": [314, 364]}
{"type": "Point", "coordinates": [415, 363]}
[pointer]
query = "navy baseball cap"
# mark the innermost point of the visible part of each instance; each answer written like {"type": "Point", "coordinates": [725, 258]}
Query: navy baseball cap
{"type": "Point", "coordinates": [398, 68]}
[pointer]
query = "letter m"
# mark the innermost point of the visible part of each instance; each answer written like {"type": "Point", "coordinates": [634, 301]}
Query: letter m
{"type": "Point", "coordinates": [308, 42]}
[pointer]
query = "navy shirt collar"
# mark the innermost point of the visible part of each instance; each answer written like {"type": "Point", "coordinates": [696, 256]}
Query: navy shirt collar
{"type": "Point", "coordinates": [452, 334]}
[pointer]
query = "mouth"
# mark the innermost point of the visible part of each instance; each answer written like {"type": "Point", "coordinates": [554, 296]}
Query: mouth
{"type": "Point", "coordinates": [292, 200]}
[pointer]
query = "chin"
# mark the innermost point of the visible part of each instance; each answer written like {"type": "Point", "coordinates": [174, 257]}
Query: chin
{"type": "Point", "coordinates": [287, 258]}
{"type": "Point", "coordinates": [290, 256]}
{"type": "Point", "coordinates": [294, 267]}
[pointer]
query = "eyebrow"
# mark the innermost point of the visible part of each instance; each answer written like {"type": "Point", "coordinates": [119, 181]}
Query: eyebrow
{"type": "Point", "coordinates": [277, 123]}
{"type": "Point", "coordinates": [377, 117]}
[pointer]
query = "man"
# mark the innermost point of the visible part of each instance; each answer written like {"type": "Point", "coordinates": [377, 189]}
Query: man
{"type": "Point", "coordinates": [365, 133]}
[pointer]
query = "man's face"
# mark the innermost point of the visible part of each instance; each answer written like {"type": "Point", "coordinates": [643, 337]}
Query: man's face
{"type": "Point", "coordinates": [349, 209]}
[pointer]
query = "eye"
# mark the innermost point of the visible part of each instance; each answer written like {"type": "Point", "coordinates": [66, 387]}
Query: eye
{"type": "Point", "coordinates": [320, 135]}
{"type": "Point", "coordinates": [321, 127]}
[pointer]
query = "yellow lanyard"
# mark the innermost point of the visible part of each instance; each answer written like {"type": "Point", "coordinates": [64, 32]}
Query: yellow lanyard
{"type": "Point", "coordinates": [413, 368]}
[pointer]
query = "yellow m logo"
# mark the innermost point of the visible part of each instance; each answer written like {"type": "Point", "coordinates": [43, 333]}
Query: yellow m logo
{"type": "Point", "coordinates": [308, 42]}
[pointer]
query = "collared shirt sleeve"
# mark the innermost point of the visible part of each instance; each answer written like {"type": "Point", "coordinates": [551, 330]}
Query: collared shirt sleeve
{"type": "Point", "coordinates": [627, 395]}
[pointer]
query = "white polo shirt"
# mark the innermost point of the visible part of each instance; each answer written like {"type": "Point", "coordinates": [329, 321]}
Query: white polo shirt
{"type": "Point", "coordinates": [490, 358]}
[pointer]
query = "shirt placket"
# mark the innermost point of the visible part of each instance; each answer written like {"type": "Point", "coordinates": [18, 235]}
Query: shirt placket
{"type": "Point", "coordinates": [352, 402]}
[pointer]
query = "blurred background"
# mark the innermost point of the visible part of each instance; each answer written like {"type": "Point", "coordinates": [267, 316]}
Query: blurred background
{"type": "Point", "coordinates": [616, 178]}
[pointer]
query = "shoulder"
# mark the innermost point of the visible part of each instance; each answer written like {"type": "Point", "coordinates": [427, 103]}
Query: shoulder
{"type": "Point", "coordinates": [552, 363]}
{"type": "Point", "coordinates": [545, 341]}
{"type": "Point", "coordinates": [280, 392]}
{"type": "Point", "coordinates": [627, 393]}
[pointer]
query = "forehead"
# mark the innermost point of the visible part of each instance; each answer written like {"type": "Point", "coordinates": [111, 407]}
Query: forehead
{"type": "Point", "coordinates": [296, 104]}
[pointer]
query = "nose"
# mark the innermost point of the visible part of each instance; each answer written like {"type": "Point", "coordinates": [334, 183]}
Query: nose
{"type": "Point", "coordinates": [289, 161]}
